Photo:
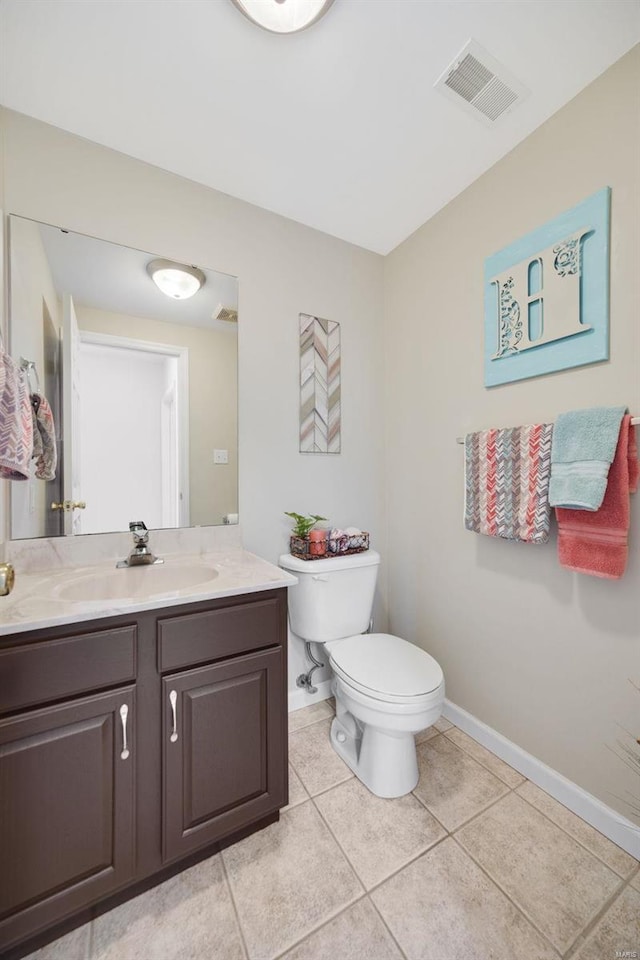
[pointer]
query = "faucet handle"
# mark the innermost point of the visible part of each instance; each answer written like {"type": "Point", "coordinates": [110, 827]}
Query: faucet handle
{"type": "Point", "coordinates": [139, 530]}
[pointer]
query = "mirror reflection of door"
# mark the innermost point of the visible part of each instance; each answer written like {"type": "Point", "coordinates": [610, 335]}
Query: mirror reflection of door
{"type": "Point", "coordinates": [72, 406]}
{"type": "Point", "coordinates": [52, 376]}
{"type": "Point", "coordinates": [142, 473]}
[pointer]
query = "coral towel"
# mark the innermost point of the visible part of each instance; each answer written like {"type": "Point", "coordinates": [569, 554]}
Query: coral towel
{"type": "Point", "coordinates": [507, 482]}
{"type": "Point", "coordinates": [596, 543]}
{"type": "Point", "coordinates": [16, 426]}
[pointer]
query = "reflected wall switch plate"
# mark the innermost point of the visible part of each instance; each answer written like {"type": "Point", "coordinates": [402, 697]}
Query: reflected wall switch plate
{"type": "Point", "coordinates": [221, 456]}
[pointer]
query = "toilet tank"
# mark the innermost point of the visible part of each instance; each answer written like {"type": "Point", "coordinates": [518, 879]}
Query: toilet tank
{"type": "Point", "coordinates": [334, 597]}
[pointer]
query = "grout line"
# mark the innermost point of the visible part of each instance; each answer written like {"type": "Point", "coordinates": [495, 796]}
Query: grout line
{"type": "Point", "coordinates": [513, 903]}
{"type": "Point", "coordinates": [321, 793]}
{"type": "Point", "coordinates": [591, 923]}
{"type": "Point", "coordinates": [384, 880]}
{"type": "Point", "coordinates": [89, 954]}
{"type": "Point", "coordinates": [312, 723]}
{"type": "Point", "coordinates": [430, 812]}
{"type": "Point", "coordinates": [479, 813]}
{"type": "Point", "coordinates": [325, 923]}
{"type": "Point", "coordinates": [234, 906]}
{"type": "Point", "coordinates": [573, 837]}
{"type": "Point", "coordinates": [481, 762]}
{"type": "Point", "coordinates": [422, 853]}
{"type": "Point", "coordinates": [387, 927]}
{"type": "Point", "coordinates": [474, 816]}
{"type": "Point", "coordinates": [584, 934]}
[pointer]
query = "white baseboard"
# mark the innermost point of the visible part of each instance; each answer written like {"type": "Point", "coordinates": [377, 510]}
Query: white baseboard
{"type": "Point", "coordinates": [612, 824]}
{"type": "Point", "coordinates": [300, 698]}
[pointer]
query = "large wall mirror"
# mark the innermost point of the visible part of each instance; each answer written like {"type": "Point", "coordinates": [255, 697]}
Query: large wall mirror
{"type": "Point", "coordinates": [142, 384]}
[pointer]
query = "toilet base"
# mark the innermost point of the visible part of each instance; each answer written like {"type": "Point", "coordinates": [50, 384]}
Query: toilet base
{"type": "Point", "coordinates": [377, 739]}
{"type": "Point", "coordinates": [384, 761]}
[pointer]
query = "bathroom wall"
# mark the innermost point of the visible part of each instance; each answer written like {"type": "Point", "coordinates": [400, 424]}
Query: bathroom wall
{"type": "Point", "coordinates": [284, 268]}
{"type": "Point", "coordinates": [545, 656]}
{"type": "Point", "coordinates": [213, 383]}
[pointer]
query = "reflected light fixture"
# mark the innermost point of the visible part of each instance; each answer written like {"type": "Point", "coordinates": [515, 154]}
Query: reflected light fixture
{"type": "Point", "coordinates": [176, 280]}
{"type": "Point", "coordinates": [283, 16]}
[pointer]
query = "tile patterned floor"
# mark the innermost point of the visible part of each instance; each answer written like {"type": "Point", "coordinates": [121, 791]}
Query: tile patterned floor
{"type": "Point", "coordinates": [477, 864]}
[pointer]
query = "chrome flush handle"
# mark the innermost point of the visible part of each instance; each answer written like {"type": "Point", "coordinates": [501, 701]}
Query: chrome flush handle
{"type": "Point", "coordinates": [173, 699]}
{"type": "Point", "coordinates": [124, 713]}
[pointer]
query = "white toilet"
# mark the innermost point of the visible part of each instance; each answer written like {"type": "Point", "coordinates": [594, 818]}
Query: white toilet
{"type": "Point", "coordinates": [386, 689]}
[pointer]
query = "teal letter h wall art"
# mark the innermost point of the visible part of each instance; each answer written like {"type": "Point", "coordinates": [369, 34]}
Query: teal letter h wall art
{"type": "Point", "coordinates": [546, 296]}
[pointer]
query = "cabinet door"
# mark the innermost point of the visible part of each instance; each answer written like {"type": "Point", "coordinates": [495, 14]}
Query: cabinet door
{"type": "Point", "coordinates": [66, 809]}
{"type": "Point", "coordinates": [224, 749]}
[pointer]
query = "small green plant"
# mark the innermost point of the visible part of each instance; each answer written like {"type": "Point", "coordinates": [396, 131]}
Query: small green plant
{"type": "Point", "coordinates": [302, 524]}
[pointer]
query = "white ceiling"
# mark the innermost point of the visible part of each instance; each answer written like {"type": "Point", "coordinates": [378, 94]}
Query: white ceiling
{"type": "Point", "coordinates": [337, 127]}
{"type": "Point", "coordinates": [114, 278]}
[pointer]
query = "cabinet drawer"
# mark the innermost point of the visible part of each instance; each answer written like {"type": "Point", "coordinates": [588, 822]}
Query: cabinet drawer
{"type": "Point", "coordinates": [53, 669]}
{"type": "Point", "coordinates": [194, 638]}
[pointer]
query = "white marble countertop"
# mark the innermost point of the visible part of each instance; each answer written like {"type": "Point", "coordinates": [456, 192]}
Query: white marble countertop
{"type": "Point", "coordinates": [38, 599]}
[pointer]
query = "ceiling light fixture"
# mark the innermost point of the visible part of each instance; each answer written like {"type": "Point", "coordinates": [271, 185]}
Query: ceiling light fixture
{"type": "Point", "coordinates": [176, 280]}
{"type": "Point", "coordinates": [283, 16]}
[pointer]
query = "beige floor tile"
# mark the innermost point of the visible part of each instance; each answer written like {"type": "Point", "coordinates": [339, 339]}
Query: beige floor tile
{"type": "Point", "coordinates": [357, 934]}
{"type": "Point", "coordinates": [584, 833]}
{"type": "Point", "coordinates": [187, 917]}
{"type": "Point", "coordinates": [297, 793]}
{"type": "Point", "coordinates": [287, 880]}
{"type": "Point", "coordinates": [308, 715]}
{"type": "Point", "coordinates": [489, 760]}
{"type": "Point", "coordinates": [443, 906]}
{"type": "Point", "coordinates": [378, 836]}
{"type": "Point", "coordinates": [554, 881]}
{"type": "Point", "coordinates": [73, 946]}
{"type": "Point", "coordinates": [617, 934]}
{"type": "Point", "coordinates": [635, 881]}
{"type": "Point", "coordinates": [452, 785]}
{"type": "Point", "coordinates": [427, 734]}
{"type": "Point", "coordinates": [442, 724]}
{"type": "Point", "coordinates": [314, 759]}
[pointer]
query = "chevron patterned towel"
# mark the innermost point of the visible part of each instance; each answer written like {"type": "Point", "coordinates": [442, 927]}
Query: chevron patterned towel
{"type": "Point", "coordinates": [16, 426]}
{"type": "Point", "coordinates": [507, 482]}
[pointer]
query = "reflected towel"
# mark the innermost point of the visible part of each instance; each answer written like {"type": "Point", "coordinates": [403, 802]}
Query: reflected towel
{"type": "Point", "coordinates": [45, 451]}
{"type": "Point", "coordinates": [16, 425]}
{"type": "Point", "coordinates": [596, 543]}
{"type": "Point", "coordinates": [507, 482]}
{"type": "Point", "coordinates": [584, 444]}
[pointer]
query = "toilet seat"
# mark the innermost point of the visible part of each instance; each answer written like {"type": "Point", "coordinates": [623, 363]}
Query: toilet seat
{"type": "Point", "coordinates": [385, 668]}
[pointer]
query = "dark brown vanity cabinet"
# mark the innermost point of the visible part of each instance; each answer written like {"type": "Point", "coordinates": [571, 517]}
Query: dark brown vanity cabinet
{"type": "Point", "coordinates": [221, 737]}
{"type": "Point", "coordinates": [67, 824]}
{"type": "Point", "coordinates": [130, 746]}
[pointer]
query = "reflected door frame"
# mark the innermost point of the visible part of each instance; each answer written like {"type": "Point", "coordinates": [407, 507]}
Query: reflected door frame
{"type": "Point", "coordinates": [182, 356]}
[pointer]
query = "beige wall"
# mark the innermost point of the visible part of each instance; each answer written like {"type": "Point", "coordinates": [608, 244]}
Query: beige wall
{"type": "Point", "coordinates": [213, 385]}
{"type": "Point", "coordinates": [543, 655]}
{"type": "Point", "coordinates": [283, 268]}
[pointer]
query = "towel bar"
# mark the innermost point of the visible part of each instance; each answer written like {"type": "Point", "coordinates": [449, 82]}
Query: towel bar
{"type": "Point", "coordinates": [634, 423]}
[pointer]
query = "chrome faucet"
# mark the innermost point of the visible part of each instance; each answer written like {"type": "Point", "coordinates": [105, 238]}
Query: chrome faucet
{"type": "Point", "coordinates": [141, 553]}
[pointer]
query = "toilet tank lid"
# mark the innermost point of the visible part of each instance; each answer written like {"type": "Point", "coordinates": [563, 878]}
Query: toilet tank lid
{"type": "Point", "coordinates": [368, 558]}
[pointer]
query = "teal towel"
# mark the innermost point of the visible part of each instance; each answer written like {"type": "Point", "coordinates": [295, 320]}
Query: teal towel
{"type": "Point", "coordinates": [583, 447]}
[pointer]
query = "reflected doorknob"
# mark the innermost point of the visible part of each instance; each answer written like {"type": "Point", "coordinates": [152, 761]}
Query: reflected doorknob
{"type": "Point", "coordinates": [69, 505]}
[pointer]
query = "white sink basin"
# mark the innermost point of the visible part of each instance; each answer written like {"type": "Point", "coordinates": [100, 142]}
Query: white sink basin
{"type": "Point", "coordinates": [131, 583]}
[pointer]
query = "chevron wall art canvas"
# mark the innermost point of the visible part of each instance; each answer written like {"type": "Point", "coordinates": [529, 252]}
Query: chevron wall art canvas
{"type": "Point", "coordinates": [319, 385]}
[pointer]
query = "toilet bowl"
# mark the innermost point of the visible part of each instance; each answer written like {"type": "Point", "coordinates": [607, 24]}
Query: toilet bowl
{"type": "Point", "coordinates": [386, 691]}
{"type": "Point", "coordinates": [386, 688]}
